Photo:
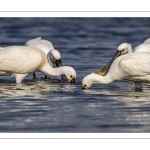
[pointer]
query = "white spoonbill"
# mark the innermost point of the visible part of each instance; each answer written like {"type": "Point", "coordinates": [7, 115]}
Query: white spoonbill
{"type": "Point", "coordinates": [123, 49]}
{"type": "Point", "coordinates": [133, 66]}
{"type": "Point", "coordinates": [19, 61]}
{"type": "Point", "coordinates": [47, 47]}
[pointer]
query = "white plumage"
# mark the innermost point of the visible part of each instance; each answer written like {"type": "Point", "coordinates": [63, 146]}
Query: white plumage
{"type": "Point", "coordinates": [41, 44]}
{"type": "Point", "coordinates": [19, 61]}
{"type": "Point", "coordinates": [123, 49]}
{"type": "Point", "coordinates": [53, 55]}
{"type": "Point", "coordinates": [126, 48]}
{"type": "Point", "coordinates": [45, 46]}
{"type": "Point", "coordinates": [133, 66]}
{"type": "Point", "coordinates": [147, 41]}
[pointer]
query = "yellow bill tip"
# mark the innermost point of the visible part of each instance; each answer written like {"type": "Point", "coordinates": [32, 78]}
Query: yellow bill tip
{"type": "Point", "coordinates": [102, 73]}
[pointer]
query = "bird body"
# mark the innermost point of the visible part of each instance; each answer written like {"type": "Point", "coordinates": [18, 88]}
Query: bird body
{"type": "Point", "coordinates": [19, 61]}
{"type": "Point", "coordinates": [145, 47]}
{"type": "Point", "coordinates": [42, 44]}
{"type": "Point", "coordinates": [134, 66]}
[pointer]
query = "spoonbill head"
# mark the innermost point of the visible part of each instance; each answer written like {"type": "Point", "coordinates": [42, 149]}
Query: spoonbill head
{"type": "Point", "coordinates": [54, 58]}
{"type": "Point", "coordinates": [68, 72]}
{"type": "Point", "coordinates": [89, 80]}
{"type": "Point", "coordinates": [124, 48]}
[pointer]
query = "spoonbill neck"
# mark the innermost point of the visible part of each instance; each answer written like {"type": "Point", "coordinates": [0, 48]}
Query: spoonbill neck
{"type": "Point", "coordinates": [97, 79]}
{"type": "Point", "coordinates": [48, 70]}
{"type": "Point", "coordinates": [130, 50]}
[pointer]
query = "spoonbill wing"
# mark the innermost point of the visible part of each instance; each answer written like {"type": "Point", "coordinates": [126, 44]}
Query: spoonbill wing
{"type": "Point", "coordinates": [142, 48]}
{"type": "Point", "coordinates": [19, 59]}
{"type": "Point", "coordinates": [136, 65]}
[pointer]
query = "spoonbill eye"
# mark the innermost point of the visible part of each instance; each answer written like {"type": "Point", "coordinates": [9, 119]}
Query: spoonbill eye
{"type": "Point", "coordinates": [71, 76]}
{"type": "Point", "coordinates": [84, 85]}
{"type": "Point", "coordinates": [123, 51]}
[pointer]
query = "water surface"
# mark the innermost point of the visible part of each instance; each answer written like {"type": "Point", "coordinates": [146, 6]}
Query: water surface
{"type": "Point", "coordinates": [86, 44]}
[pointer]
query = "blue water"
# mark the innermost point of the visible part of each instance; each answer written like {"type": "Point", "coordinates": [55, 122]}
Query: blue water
{"type": "Point", "coordinates": [86, 44]}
